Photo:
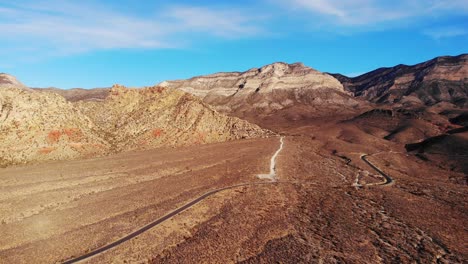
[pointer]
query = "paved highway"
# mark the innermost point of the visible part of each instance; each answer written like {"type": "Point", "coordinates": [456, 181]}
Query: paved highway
{"type": "Point", "coordinates": [387, 179]}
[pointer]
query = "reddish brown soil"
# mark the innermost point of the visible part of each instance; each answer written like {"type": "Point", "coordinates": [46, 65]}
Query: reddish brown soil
{"type": "Point", "coordinates": [55, 211]}
{"type": "Point", "coordinates": [325, 219]}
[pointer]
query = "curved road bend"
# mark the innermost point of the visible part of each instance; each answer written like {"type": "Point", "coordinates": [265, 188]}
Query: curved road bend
{"type": "Point", "coordinates": [388, 180]}
{"type": "Point", "coordinates": [177, 211]}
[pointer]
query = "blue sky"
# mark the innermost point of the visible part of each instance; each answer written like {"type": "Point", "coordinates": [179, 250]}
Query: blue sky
{"type": "Point", "coordinates": [135, 42]}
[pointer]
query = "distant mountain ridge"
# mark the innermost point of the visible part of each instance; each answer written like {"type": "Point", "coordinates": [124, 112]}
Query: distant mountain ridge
{"type": "Point", "coordinates": [442, 79]}
{"type": "Point", "coordinates": [281, 85]}
{"type": "Point", "coordinates": [79, 94]}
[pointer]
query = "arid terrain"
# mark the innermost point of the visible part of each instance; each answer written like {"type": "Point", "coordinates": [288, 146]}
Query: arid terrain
{"type": "Point", "coordinates": [91, 202]}
{"type": "Point", "coordinates": [367, 172]}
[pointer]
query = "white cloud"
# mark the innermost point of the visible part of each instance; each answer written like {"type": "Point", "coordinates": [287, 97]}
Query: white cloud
{"type": "Point", "coordinates": [64, 27]}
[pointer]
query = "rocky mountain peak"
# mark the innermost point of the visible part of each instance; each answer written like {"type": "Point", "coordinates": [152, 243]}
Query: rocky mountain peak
{"type": "Point", "coordinates": [117, 88]}
{"type": "Point", "coordinates": [463, 58]}
{"type": "Point", "coordinates": [268, 88]}
{"type": "Point", "coordinates": [7, 80]}
{"type": "Point", "coordinates": [279, 69]}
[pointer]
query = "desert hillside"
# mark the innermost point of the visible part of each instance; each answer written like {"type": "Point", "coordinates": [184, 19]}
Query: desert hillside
{"type": "Point", "coordinates": [39, 126]}
{"type": "Point", "coordinates": [44, 126]}
{"type": "Point", "coordinates": [155, 116]}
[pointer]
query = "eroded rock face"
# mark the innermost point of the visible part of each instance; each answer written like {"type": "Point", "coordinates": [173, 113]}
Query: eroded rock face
{"type": "Point", "coordinates": [39, 126]}
{"type": "Point", "coordinates": [443, 79]}
{"type": "Point", "coordinates": [266, 89]}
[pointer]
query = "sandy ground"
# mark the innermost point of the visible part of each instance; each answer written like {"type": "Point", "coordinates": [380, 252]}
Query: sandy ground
{"type": "Point", "coordinates": [52, 211]}
{"type": "Point", "coordinates": [55, 211]}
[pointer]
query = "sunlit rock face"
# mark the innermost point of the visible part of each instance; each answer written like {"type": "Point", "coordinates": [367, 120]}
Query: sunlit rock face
{"type": "Point", "coordinates": [442, 79]}
{"type": "Point", "coordinates": [8, 81]}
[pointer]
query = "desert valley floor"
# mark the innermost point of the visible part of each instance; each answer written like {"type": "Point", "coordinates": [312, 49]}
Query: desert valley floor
{"type": "Point", "coordinates": [326, 207]}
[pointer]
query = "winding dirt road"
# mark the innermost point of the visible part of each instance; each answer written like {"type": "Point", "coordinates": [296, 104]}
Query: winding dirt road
{"type": "Point", "coordinates": [387, 179]}
{"type": "Point", "coordinates": [160, 220]}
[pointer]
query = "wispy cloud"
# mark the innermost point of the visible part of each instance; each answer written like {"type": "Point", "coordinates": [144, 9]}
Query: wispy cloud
{"type": "Point", "coordinates": [359, 13]}
{"type": "Point", "coordinates": [457, 6]}
{"type": "Point", "coordinates": [64, 27]}
{"type": "Point", "coordinates": [446, 32]}
{"type": "Point", "coordinates": [229, 23]}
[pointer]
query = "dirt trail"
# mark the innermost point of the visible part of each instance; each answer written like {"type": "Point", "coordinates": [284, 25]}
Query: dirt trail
{"type": "Point", "coordinates": [272, 174]}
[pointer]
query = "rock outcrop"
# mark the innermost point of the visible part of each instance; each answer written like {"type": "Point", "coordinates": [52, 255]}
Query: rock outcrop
{"type": "Point", "coordinates": [44, 126]}
{"type": "Point", "coordinates": [266, 89]}
{"type": "Point", "coordinates": [7, 80]}
{"type": "Point", "coordinates": [443, 79]}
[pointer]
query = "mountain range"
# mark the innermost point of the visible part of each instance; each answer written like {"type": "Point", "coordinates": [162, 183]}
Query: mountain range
{"type": "Point", "coordinates": [443, 79]}
{"type": "Point", "coordinates": [50, 123]}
